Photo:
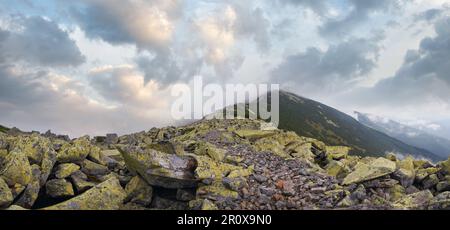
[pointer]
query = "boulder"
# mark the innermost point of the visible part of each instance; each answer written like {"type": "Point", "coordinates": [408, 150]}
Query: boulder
{"type": "Point", "coordinates": [93, 169]}
{"type": "Point", "coordinates": [405, 172]}
{"type": "Point", "coordinates": [161, 169]}
{"type": "Point", "coordinates": [65, 170]}
{"type": "Point", "coordinates": [31, 192]}
{"type": "Point", "coordinates": [108, 195]}
{"type": "Point", "coordinates": [337, 152]}
{"type": "Point", "coordinates": [369, 171]}
{"type": "Point", "coordinates": [440, 202]}
{"type": "Point", "coordinates": [445, 166]}
{"type": "Point", "coordinates": [111, 139]}
{"type": "Point", "coordinates": [335, 168]}
{"type": "Point", "coordinates": [48, 161]}
{"type": "Point", "coordinates": [75, 152]}
{"type": "Point", "coordinates": [6, 196]}
{"type": "Point", "coordinates": [418, 200]}
{"type": "Point", "coordinates": [96, 155]}
{"type": "Point", "coordinates": [80, 182]}
{"type": "Point", "coordinates": [253, 135]}
{"type": "Point", "coordinates": [58, 188]}
{"type": "Point", "coordinates": [216, 190]}
{"type": "Point", "coordinates": [421, 174]}
{"type": "Point", "coordinates": [444, 185]}
{"type": "Point", "coordinates": [138, 192]}
{"type": "Point", "coordinates": [16, 169]}
{"type": "Point", "coordinates": [207, 168]}
{"type": "Point", "coordinates": [210, 150]}
{"type": "Point", "coordinates": [430, 181]}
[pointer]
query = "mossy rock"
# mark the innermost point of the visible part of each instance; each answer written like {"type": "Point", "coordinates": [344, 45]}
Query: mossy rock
{"type": "Point", "coordinates": [138, 192]}
{"type": "Point", "coordinates": [161, 169]}
{"type": "Point", "coordinates": [405, 172]}
{"type": "Point", "coordinates": [371, 170]}
{"type": "Point", "coordinates": [16, 168]}
{"type": "Point", "coordinates": [207, 168]}
{"type": "Point", "coordinates": [65, 170]}
{"type": "Point", "coordinates": [76, 152]}
{"type": "Point", "coordinates": [31, 192]}
{"type": "Point", "coordinates": [337, 152]}
{"type": "Point", "coordinates": [418, 200]}
{"type": "Point", "coordinates": [108, 195]}
{"type": "Point", "coordinates": [335, 168]}
{"type": "Point", "coordinates": [208, 149]}
{"type": "Point", "coordinates": [6, 196]}
{"type": "Point", "coordinates": [216, 190]}
{"type": "Point", "coordinates": [58, 188]}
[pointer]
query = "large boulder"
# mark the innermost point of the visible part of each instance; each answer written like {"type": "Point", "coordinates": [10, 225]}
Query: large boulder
{"type": "Point", "coordinates": [337, 152]}
{"type": "Point", "coordinates": [6, 196]}
{"type": "Point", "coordinates": [161, 169]}
{"type": "Point", "coordinates": [15, 169]}
{"type": "Point", "coordinates": [58, 188]}
{"type": "Point", "coordinates": [108, 195]}
{"type": "Point", "coordinates": [138, 192]}
{"type": "Point", "coordinates": [369, 171]}
{"type": "Point", "coordinates": [441, 202]}
{"type": "Point", "coordinates": [418, 200]}
{"type": "Point", "coordinates": [65, 170]}
{"type": "Point", "coordinates": [31, 192]}
{"type": "Point", "coordinates": [74, 152]}
{"type": "Point", "coordinates": [405, 172]}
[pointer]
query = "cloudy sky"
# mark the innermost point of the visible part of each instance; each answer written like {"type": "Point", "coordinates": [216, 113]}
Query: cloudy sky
{"type": "Point", "coordinates": [99, 66]}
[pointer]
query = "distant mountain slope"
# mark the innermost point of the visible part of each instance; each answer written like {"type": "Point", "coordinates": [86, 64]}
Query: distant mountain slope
{"type": "Point", "coordinates": [313, 119]}
{"type": "Point", "coordinates": [415, 137]}
{"type": "Point", "coordinates": [3, 129]}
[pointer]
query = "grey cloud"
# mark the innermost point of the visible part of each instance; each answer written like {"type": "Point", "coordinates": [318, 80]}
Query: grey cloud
{"type": "Point", "coordinates": [360, 13]}
{"type": "Point", "coordinates": [338, 64]}
{"type": "Point", "coordinates": [321, 7]}
{"type": "Point", "coordinates": [40, 42]}
{"type": "Point", "coordinates": [422, 80]}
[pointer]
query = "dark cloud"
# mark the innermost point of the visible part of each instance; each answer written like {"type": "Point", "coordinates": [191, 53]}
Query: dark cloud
{"type": "Point", "coordinates": [338, 64]}
{"type": "Point", "coordinates": [360, 13]}
{"type": "Point", "coordinates": [40, 42]}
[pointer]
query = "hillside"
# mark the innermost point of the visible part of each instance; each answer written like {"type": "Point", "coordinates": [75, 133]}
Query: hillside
{"type": "Point", "coordinates": [313, 119]}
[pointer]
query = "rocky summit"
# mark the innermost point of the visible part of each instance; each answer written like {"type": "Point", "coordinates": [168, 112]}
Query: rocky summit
{"type": "Point", "coordinates": [212, 164]}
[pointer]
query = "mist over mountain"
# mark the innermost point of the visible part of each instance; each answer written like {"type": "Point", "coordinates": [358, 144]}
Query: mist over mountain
{"type": "Point", "coordinates": [409, 135]}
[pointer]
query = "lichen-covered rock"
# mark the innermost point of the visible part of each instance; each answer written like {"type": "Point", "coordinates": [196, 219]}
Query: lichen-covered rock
{"type": "Point", "coordinates": [444, 185]}
{"type": "Point", "coordinates": [396, 192]}
{"type": "Point", "coordinates": [161, 169]}
{"type": "Point", "coordinates": [207, 205]}
{"type": "Point", "coordinates": [74, 152]}
{"type": "Point", "coordinates": [445, 166]}
{"type": "Point", "coordinates": [80, 182]}
{"type": "Point", "coordinates": [216, 190]}
{"type": "Point", "coordinates": [31, 192]}
{"type": "Point", "coordinates": [93, 169]}
{"type": "Point", "coordinates": [48, 161]}
{"type": "Point", "coordinates": [371, 170]}
{"type": "Point", "coordinates": [335, 168]}
{"type": "Point", "coordinates": [138, 192]}
{"type": "Point", "coordinates": [418, 200]}
{"type": "Point", "coordinates": [337, 152]}
{"type": "Point", "coordinates": [58, 188]}
{"type": "Point", "coordinates": [430, 181]}
{"type": "Point", "coordinates": [423, 173]}
{"type": "Point", "coordinates": [405, 172]}
{"type": "Point", "coordinates": [34, 146]}
{"type": "Point", "coordinates": [441, 202]}
{"type": "Point", "coordinates": [6, 196]}
{"type": "Point", "coordinates": [207, 168]}
{"type": "Point", "coordinates": [253, 135]}
{"type": "Point", "coordinates": [96, 155]}
{"type": "Point", "coordinates": [65, 170]}
{"type": "Point", "coordinates": [210, 150]}
{"type": "Point", "coordinates": [108, 195]}
{"type": "Point", "coordinates": [16, 169]}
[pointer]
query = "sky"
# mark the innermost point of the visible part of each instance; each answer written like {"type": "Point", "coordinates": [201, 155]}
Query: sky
{"type": "Point", "coordinates": [107, 66]}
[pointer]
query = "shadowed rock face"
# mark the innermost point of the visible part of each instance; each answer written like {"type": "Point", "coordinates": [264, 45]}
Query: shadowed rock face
{"type": "Point", "coordinates": [210, 164]}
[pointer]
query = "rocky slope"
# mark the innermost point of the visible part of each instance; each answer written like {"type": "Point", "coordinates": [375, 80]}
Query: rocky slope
{"type": "Point", "coordinates": [211, 164]}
